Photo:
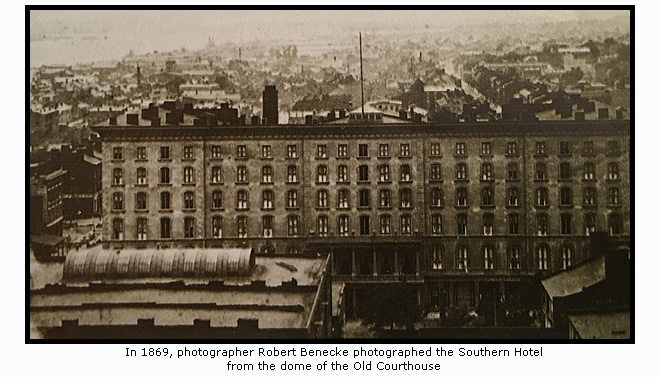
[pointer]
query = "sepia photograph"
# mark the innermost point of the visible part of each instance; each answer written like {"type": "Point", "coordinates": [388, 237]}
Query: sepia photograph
{"type": "Point", "coordinates": [364, 174]}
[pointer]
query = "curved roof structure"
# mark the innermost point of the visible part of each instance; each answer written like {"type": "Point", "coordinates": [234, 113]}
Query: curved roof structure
{"type": "Point", "coordinates": [155, 263]}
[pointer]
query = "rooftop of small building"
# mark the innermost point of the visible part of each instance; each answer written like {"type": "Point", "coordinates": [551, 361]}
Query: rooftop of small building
{"type": "Point", "coordinates": [602, 325]}
{"type": "Point", "coordinates": [575, 279]}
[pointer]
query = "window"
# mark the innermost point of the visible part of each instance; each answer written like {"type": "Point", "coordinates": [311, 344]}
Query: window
{"type": "Point", "coordinates": [542, 224]}
{"type": "Point", "coordinates": [267, 174]}
{"type": "Point", "coordinates": [117, 229]}
{"type": "Point", "coordinates": [436, 224]}
{"type": "Point", "coordinates": [322, 198]}
{"type": "Point", "coordinates": [165, 176]}
{"type": "Point", "coordinates": [141, 228]}
{"type": "Point", "coordinates": [512, 171]}
{"type": "Point", "coordinates": [589, 171]}
{"type": "Point", "coordinates": [141, 201]}
{"type": "Point", "coordinates": [461, 197]}
{"type": "Point", "coordinates": [406, 224]}
{"type": "Point", "coordinates": [342, 150]}
{"type": "Point", "coordinates": [462, 258]}
{"type": "Point", "coordinates": [406, 198]}
{"type": "Point", "coordinates": [461, 171]}
{"type": "Point", "coordinates": [321, 151]}
{"type": "Point", "coordinates": [342, 198]}
{"type": "Point", "coordinates": [364, 198]}
{"type": "Point", "coordinates": [588, 148]}
{"type": "Point", "coordinates": [322, 174]}
{"type": "Point", "coordinates": [216, 227]}
{"type": "Point", "coordinates": [589, 223]}
{"type": "Point", "coordinates": [404, 150]}
{"type": "Point", "coordinates": [216, 152]}
{"type": "Point", "coordinates": [566, 226]}
{"type": "Point", "coordinates": [383, 150]}
{"type": "Point", "coordinates": [488, 219]}
{"type": "Point", "coordinates": [489, 263]}
{"type": "Point", "coordinates": [292, 199]}
{"type": "Point", "coordinates": [164, 153]}
{"type": "Point", "coordinates": [512, 195]}
{"type": "Point", "coordinates": [565, 196]}
{"type": "Point", "coordinates": [541, 196]}
{"type": "Point", "coordinates": [364, 225]}
{"type": "Point", "coordinates": [385, 224]}
{"type": "Point", "coordinates": [322, 225]}
{"type": "Point", "coordinates": [241, 226]}
{"type": "Point", "coordinates": [540, 148]}
{"type": "Point", "coordinates": [342, 173]}
{"type": "Point", "coordinates": [292, 225]}
{"type": "Point", "coordinates": [542, 257]}
{"type": "Point", "coordinates": [188, 152]}
{"type": "Point", "coordinates": [486, 172]}
{"type": "Point", "coordinates": [117, 153]}
{"type": "Point", "coordinates": [363, 150]}
{"type": "Point", "coordinates": [406, 175]}
{"type": "Point", "coordinates": [216, 174]}
{"type": "Point", "coordinates": [436, 172]}
{"type": "Point", "coordinates": [613, 171]}
{"type": "Point", "coordinates": [141, 153]}
{"type": "Point", "coordinates": [165, 200]}
{"type": "Point", "coordinates": [216, 199]}
{"type": "Point", "coordinates": [461, 150]}
{"type": "Point", "coordinates": [242, 200]}
{"type": "Point", "coordinates": [589, 197]}
{"type": "Point", "coordinates": [613, 196]}
{"type": "Point", "coordinates": [267, 198]}
{"type": "Point", "coordinates": [267, 223]}
{"type": "Point", "coordinates": [292, 151]}
{"type": "Point", "coordinates": [117, 176]}
{"type": "Point", "coordinates": [189, 200]}
{"type": "Point", "coordinates": [487, 196]}
{"type": "Point", "coordinates": [384, 173]}
{"type": "Point", "coordinates": [188, 175]}
{"type": "Point", "coordinates": [241, 174]}
{"type": "Point", "coordinates": [435, 149]}
{"type": "Point", "coordinates": [165, 228]}
{"type": "Point", "coordinates": [189, 227]}
{"type": "Point", "coordinates": [437, 197]}
{"type": "Point", "coordinates": [514, 257]}
{"type": "Point", "coordinates": [436, 257]}
{"type": "Point", "coordinates": [512, 148]}
{"type": "Point", "coordinates": [363, 173]}
{"type": "Point", "coordinates": [514, 223]}
{"type": "Point", "coordinates": [566, 257]}
{"type": "Point", "coordinates": [564, 148]}
{"type": "Point", "coordinates": [385, 198]}
{"type": "Point", "coordinates": [564, 170]}
{"type": "Point", "coordinates": [266, 151]}
{"type": "Point", "coordinates": [461, 222]}
{"type": "Point", "coordinates": [613, 148]}
{"type": "Point", "coordinates": [241, 151]}
{"type": "Point", "coordinates": [614, 224]}
{"type": "Point", "coordinates": [485, 149]}
{"type": "Point", "coordinates": [541, 172]}
{"type": "Point", "coordinates": [117, 201]}
{"type": "Point", "coordinates": [343, 225]}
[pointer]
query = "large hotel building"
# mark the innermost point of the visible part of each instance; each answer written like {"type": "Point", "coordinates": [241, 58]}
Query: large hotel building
{"type": "Point", "coordinates": [458, 211]}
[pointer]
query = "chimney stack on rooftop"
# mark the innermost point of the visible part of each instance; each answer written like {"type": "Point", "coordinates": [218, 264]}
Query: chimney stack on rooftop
{"type": "Point", "coordinates": [132, 119]}
{"type": "Point", "coordinates": [603, 113]}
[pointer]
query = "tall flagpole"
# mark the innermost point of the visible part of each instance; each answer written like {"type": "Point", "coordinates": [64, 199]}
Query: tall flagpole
{"type": "Point", "coordinates": [361, 77]}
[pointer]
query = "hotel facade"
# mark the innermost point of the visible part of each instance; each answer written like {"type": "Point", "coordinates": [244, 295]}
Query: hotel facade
{"type": "Point", "coordinates": [457, 211]}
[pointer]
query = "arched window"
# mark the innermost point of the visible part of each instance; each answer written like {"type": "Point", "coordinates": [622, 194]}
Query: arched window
{"type": "Point", "coordinates": [542, 257]}
{"type": "Point", "coordinates": [489, 257]}
{"type": "Point", "coordinates": [566, 256]}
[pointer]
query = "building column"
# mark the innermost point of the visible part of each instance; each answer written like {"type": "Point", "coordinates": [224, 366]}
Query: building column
{"type": "Point", "coordinates": [417, 271]}
{"type": "Point", "coordinates": [354, 298]}
{"type": "Point", "coordinates": [375, 263]}
{"type": "Point", "coordinates": [397, 270]}
{"type": "Point", "coordinates": [476, 293]}
{"type": "Point", "coordinates": [450, 294]}
{"type": "Point", "coordinates": [353, 263]}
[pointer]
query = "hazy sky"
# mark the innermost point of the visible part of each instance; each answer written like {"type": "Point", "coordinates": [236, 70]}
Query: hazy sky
{"type": "Point", "coordinates": [142, 31]}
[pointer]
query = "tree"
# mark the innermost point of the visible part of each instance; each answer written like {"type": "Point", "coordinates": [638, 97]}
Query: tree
{"type": "Point", "coordinates": [396, 304]}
